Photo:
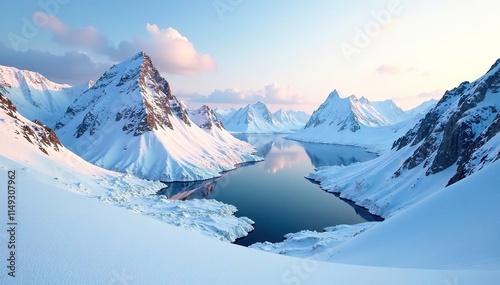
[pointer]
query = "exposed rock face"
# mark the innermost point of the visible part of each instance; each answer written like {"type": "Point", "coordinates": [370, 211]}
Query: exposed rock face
{"type": "Point", "coordinates": [454, 132]}
{"type": "Point", "coordinates": [151, 110]}
{"type": "Point", "coordinates": [7, 106]}
{"type": "Point", "coordinates": [205, 118]}
{"type": "Point", "coordinates": [37, 133]}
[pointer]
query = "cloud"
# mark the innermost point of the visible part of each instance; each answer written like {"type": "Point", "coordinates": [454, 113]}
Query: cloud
{"type": "Point", "coordinates": [435, 94]}
{"type": "Point", "coordinates": [171, 52]}
{"type": "Point", "coordinates": [409, 102]}
{"type": "Point", "coordinates": [269, 94]}
{"type": "Point", "coordinates": [277, 94]}
{"type": "Point", "coordinates": [388, 69]}
{"type": "Point", "coordinates": [62, 34]}
{"type": "Point", "coordinates": [174, 53]}
{"type": "Point", "coordinates": [71, 67]}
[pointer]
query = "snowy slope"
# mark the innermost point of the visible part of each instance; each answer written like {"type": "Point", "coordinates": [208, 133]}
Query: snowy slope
{"type": "Point", "coordinates": [35, 150]}
{"type": "Point", "coordinates": [390, 111]}
{"type": "Point", "coordinates": [352, 121]}
{"type": "Point", "coordinates": [422, 108]}
{"type": "Point", "coordinates": [71, 239]}
{"type": "Point", "coordinates": [291, 120]}
{"type": "Point", "coordinates": [35, 96]}
{"type": "Point", "coordinates": [458, 137]}
{"type": "Point", "coordinates": [396, 115]}
{"type": "Point", "coordinates": [129, 121]}
{"type": "Point", "coordinates": [455, 228]}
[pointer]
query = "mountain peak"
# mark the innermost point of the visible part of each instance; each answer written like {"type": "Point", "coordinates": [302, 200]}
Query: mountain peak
{"type": "Point", "coordinates": [456, 132]}
{"type": "Point", "coordinates": [130, 121]}
{"type": "Point", "coordinates": [140, 97]}
{"type": "Point", "coordinates": [205, 118]}
{"type": "Point", "coordinates": [496, 64]}
{"type": "Point", "coordinates": [141, 56]}
{"type": "Point", "coordinates": [259, 104]}
{"type": "Point", "coordinates": [334, 94]}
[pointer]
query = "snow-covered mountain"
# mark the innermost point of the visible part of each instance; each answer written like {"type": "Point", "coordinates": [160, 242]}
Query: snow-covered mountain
{"type": "Point", "coordinates": [36, 97]}
{"type": "Point", "coordinates": [346, 114]}
{"type": "Point", "coordinates": [422, 108]}
{"type": "Point", "coordinates": [456, 138]}
{"type": "Point", "coordinates": [35, 133]}
{"type": "Point", "coordinates": [225, 114]}
{"type": "Point", "coordinates": [300, 116]}
{"type": "Point", "coordinates": [291, 120]}
{"type": "Point", "coordinates": [207, 119]}
{"type": "Point", "coordinates": [353, 121]}
{"type": "Point", "coordinates": [254, 118]}
{"type": "Point", "coordinates": [460, 131]}
{"type": "Point", "coordinates": [390, 111]}
{"type": "Point", "coordinates": [395, 115]}
{"type": "Point", "coordinates": [130, 121]}
{"type": "Point", "coordinates": [35, 151]}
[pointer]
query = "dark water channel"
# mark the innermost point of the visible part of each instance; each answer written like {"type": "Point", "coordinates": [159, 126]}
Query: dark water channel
{"type": "Point", "coordinates": [274, 192]}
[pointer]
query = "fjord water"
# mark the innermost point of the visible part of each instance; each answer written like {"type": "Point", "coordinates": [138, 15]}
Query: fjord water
{"type": "Point", "coordinates": [274, 192]}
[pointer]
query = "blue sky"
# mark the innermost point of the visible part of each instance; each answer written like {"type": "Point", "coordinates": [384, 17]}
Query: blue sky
{"type": "Point", "coordinates": [288, 54]}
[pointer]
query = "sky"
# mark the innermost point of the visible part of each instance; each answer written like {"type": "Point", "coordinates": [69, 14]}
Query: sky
{"type": "Point", "coordinates": [286, 53]}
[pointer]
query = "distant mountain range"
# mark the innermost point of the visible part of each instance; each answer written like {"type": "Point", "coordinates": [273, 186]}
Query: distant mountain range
{"type": "Point", "coordinates": [256, 118]}
{"type": "Point", "coordinates": [359, 122]}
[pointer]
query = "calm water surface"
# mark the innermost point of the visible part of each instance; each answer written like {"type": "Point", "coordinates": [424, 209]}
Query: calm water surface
{"type": "Point", "coordinates": [274, 192]}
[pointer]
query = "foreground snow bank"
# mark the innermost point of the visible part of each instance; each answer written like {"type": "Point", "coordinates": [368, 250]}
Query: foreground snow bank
{"type": "Point", "coordinates": [208, 216]}
{"type": "Point", "coordinates": [40, 163]}
{"type": "Point", "coordinates": [66, 238]}
{"type": "Point", "coordinates": [314, 244]}
{"type": "Point", "coordinates": [456, 228]}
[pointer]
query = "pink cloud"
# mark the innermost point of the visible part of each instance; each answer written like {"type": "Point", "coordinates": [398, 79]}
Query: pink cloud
{"type": "Point", "coordinates": [171, 52]}
{"type": "Point", "coordinates": [270, 94]}
{"type": "Point", "coordinates": [388, 69]}
{"type": "Point", "coordinates": [174, 53]}
{"type": "Point", "coordinates": [434, 94]}
{"type": "Point", "coordinates": [63, 34]}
